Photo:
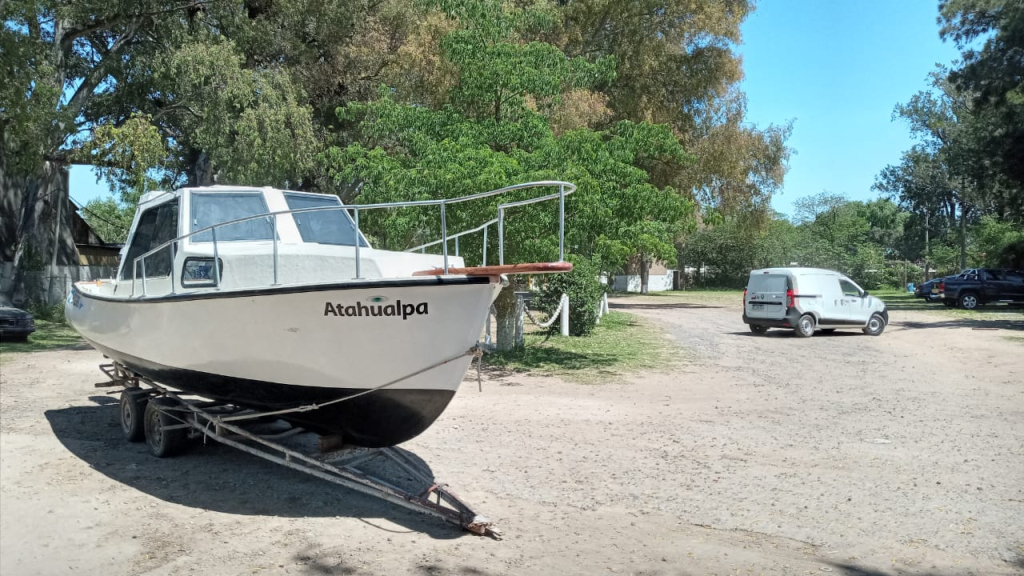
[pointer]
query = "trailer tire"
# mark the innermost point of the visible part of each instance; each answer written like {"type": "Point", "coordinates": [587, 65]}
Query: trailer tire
{"type": "Point", "coordinates": [758, 329]}
{"type": "Point", "coordinates": [133, 414]}
{"type": "Point", "coordinates": [163, 443]}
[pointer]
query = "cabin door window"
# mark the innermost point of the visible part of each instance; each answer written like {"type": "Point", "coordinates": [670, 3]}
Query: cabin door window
{"type": "Point", "coordinates": [157, 225]}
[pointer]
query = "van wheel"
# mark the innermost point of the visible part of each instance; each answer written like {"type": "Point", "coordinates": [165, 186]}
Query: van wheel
{"type": "Point", "coordinates": [876, 325]}
{"type": "Point", "coordinates": [805, 326]}
{"type": "Point", "coordinates": [758, 329]}
{"type": "Point", "coordinates": [969, 301]}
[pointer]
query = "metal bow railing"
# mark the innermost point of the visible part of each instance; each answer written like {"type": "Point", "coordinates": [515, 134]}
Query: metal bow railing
{"type": "Point", "coordinates": [564, 189]}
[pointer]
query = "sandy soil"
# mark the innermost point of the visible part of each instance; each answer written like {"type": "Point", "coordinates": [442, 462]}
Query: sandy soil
{"type": "Point", "coordinates": [902, 454]}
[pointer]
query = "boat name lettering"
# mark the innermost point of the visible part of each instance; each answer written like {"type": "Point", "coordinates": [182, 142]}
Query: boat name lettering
{"type": "Point", "coordinates": [360, 309]}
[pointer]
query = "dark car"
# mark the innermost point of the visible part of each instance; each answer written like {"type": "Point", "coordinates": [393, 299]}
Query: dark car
{"type": "Point", "coordinates": [15, 324]}
{"type": "Point", "coordinates": [931, 290]}
{"type": "Point", "coordinates": [982, 286]}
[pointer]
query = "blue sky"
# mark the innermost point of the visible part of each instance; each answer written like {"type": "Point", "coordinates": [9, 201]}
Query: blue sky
{"type": "Point", "coordinates": [836, 68]}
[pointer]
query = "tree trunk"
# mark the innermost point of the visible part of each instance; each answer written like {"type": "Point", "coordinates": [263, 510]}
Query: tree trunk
{"type": "Point", "coordinates": [42, 237]}
{"type": "Point", "coordinates": [963, 236]}
{"type": "Point", "coordinates": [927, 247]}
{"type": "Point", "coordinates": [505, 306]}
{"type": "Point", "coordinates": [645, 274]}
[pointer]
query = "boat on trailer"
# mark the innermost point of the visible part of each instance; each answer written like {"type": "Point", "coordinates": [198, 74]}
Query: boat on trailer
{"type": "Point", "coordinates": [274, 301]}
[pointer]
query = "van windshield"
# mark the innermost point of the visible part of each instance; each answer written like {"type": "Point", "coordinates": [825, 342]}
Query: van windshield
{"type": "Point", "coordinates": [767, 283]}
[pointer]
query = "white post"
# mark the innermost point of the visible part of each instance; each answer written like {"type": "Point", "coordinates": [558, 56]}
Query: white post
{"type": "Point", "coordinates": [565, 315]}
{"type": "Point", "coordinates": [604, 302]}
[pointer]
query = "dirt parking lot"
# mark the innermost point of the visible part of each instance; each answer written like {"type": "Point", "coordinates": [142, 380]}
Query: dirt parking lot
{"type": "Point", "coordinates": [843, 454]}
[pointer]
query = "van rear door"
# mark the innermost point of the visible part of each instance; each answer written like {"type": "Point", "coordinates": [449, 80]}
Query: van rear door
{"type": "Point", "coordinates": [766, 296]}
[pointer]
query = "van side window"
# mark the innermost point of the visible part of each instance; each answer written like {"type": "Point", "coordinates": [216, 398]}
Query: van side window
{"type": "Point", "coordinates": [848, 288]}
{"type": "Point", "coordinates": [156, 226]}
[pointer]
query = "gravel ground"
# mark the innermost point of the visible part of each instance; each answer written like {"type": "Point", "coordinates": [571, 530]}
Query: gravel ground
{"type": "Point", "coordinates": [902, 454]}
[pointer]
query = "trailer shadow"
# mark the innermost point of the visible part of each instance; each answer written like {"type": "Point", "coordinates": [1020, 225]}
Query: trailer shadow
{"type": "Point", "coordinates": [215, 477]}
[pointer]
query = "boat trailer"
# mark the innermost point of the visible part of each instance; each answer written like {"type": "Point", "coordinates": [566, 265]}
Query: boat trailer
{"type": "Point", "coordinates": [167, 420]}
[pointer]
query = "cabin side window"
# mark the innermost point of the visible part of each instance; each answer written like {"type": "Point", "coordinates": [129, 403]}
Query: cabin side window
{"type": "Point", "coordinates": [157, 225]}
{"type": "Point", "coordinates": [208, 209]}
{"type": "Point", "coordinates": [323, 227]}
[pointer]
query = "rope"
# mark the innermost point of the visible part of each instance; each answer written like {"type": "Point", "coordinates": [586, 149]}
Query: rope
{"type": "Point", "coordinates": [551, 320]}
{"type": "Point", "coordinates": [475, 352]}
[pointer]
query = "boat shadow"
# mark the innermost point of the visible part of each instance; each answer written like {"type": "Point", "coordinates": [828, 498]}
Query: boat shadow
{"type": "Point", "coordinates": [211, 476]}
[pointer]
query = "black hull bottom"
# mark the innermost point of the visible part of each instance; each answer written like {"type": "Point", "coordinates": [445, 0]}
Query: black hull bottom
{"type": "Point", "coordinates": [382, 418]}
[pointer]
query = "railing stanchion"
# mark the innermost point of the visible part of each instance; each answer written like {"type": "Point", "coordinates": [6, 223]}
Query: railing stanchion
{"type": "Point", "coordinates": [171, 246]}
{"type": "Point", "coordinates": [216, 259]}
{"type": "Point", "coordinates": [565, 315]}
{"type": "Point", "coordinates": [144, 293]}
{"type": "Point", "coordinates": [501, 236]}
{"type": "Point", "coordinates": [444, 237]}
{"type": "Point", "coordinates": [484, 263]}
{"type": "Point", "coordinates": [273, 221]}
{"type": "Point", "coordinates": [357, 242]}
{"type": "Point", "coordinates": [456, 245]}
{"type": "Point", "coordinates": [561, 222]}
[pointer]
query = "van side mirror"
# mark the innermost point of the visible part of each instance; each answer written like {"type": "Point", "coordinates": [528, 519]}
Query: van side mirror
{"type": "Point", "coordinates": [866, 294]}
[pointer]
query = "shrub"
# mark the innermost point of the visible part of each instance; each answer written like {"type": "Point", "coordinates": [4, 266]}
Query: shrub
{"type": "Point", "coordinates": [584, 290]}
{"type": "Point", "coordinates": [48, 312]}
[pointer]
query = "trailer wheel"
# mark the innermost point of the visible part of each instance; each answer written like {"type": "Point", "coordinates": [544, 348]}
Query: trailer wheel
{"type": "Point", "coordinates": [163, 443]}
{"type": "Point", "coordinates": [133, 411]}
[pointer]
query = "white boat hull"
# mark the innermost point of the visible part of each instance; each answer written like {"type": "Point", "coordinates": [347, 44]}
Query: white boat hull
{"type": "Point", "coordinates": [286, 346]}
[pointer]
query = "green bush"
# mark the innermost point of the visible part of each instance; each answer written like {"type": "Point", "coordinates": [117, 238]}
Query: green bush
{"type": "Point", "coordinates": [48, 312]}
{"type": "Point", "coordinates": [584, 290]}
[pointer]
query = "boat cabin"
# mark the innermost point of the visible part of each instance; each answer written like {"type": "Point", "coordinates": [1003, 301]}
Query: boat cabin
{"type": "Point", "coordinates": [229, 238]}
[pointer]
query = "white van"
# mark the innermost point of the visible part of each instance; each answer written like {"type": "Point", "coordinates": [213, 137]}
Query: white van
{"type": "Point", "coordinates": [809, 299]}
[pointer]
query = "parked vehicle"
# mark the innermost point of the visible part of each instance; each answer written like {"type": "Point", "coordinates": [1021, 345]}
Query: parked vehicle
{"type": "Point", "coordinates": [806, 300]}
{"type": "Point", "coordinates": [930, 290]}
{"type": "Point", "coordinates": [15, 324]}
{"type": "Point", "coordinates": [980, 286]}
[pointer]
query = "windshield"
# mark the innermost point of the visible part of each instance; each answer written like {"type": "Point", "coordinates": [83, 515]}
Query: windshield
{"type": "Point", "coordinates": [326, 226]}
{"type": "Point", "coordinates": [208, 209]}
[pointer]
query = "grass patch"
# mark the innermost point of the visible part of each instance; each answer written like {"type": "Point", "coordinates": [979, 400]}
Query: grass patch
{"type": "Point", "coordinates": [1017, 339]}
{"type": "Point", "coordinates": [622, 343]}
{"type": "Point", "coordinates": [48, 336]}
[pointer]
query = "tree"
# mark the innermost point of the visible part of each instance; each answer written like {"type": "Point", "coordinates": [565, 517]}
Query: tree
{"type": "Point", "coordinates": [488, 136]}
{"type": "Point", "coordinates": [994, 75]}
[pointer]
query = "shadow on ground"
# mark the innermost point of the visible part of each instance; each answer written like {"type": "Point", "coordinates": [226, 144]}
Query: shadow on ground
{"type": "Point", "coordinates": [783, 333]}
{"type": "Point", "coordinates": [975, 324]}
{"type": "Point", "coordinates": [656, 306]}
{"type": "Point", "coordinates": [312, 565]}
{"type": "Point", "coordinates": [844, 569]}
{"type": "Point", "coordinates": [215, 477]}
